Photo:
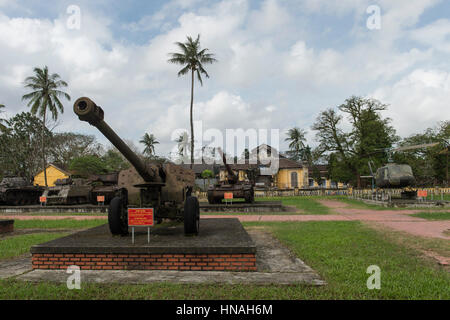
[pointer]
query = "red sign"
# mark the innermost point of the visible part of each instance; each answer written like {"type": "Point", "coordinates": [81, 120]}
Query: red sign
{"type": "Point", "coordinates": [140, 217]}
{"type": "Point", "coordinates": [422, 193]}
{"type": "Point", "coordinates": [100, 198]}
{"type": "Point", "coordinates": [42, 199]}
{"type": "Point", "coordinates": [228, 195]}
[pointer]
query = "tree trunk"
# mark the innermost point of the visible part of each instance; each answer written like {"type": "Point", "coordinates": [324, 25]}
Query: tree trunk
{"type": "Point", "coordinates": [192, 120]}
{"type": "Point", "coordinates": [43, 151]}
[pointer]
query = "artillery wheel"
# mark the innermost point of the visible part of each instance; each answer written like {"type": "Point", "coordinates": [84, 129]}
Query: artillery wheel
{"type": "Point", "coordinates": [116, 222]}
{"type": "Point", "coordinates": [191, 216]}
{"type": "Point", "coordinates": [249, 197]}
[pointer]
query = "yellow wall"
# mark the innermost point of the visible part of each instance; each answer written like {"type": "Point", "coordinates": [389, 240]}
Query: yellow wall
{"type": "Point", "coordinates": [53, 174]}
{"type": "Point", "coordinates": [283, 178]}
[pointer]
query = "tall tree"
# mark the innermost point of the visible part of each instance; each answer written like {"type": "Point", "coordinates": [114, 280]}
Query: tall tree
{"type": "Point", "coordinates": [149, 142]}
{"type": "Point", "coordinates": [19, 145]}
{"type": "Point", "coordinates": [296, 137]}
{"type": "Point", "coordinates": [45, 97]}
{"type": "Point", "coordinates": [66, 146]}
{"type": "Point", "coordinates": [192, 58]}
{"type": "Point", "coordinates": [352, 150]}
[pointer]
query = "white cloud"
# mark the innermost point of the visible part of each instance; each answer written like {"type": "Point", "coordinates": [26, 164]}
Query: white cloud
{"type": "Point", "coordinates": [268, 74]}
{"type": "Point", "coordinates": [417, 101]}
{"type": "Point", "coordinates": [435, 35]}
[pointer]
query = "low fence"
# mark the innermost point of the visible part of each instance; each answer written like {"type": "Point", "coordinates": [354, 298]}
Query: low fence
{"type": "Point", "coordinates": [386, 195]}
{"type": "Point", "coordinates": [432, 193]}
{"type": "Point", "coordinates": [289, 193]}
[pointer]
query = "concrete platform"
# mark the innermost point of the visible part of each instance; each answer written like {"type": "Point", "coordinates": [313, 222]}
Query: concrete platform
{"type": "Point", "coordinates": [276, 265]}
{"type": "Point", "coordinates": [257, 206]}
{"type": "Point", "coordinates": [6, 226]}
{"type": "Point", "coordinates": [222, 244]}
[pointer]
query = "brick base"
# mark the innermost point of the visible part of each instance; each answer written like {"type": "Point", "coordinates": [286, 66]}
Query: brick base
{"type": "Point", "coordinates": [6, 226]}
{"type": "Point", "coordinates": [188, 262]}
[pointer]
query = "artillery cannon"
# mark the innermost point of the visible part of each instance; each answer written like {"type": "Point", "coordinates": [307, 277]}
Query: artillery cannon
{"type": "Point", "coordinates": [165, 187]}
{"type": "Point", "coordinates": [239, 189]}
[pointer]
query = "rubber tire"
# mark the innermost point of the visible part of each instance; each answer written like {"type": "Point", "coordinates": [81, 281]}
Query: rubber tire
{"type": "Point", "coordinates": [249, 197]}
{"type": "Point", "coordinates": [116, 224]}
{"type": "Point", "coordinates": [191, 216]}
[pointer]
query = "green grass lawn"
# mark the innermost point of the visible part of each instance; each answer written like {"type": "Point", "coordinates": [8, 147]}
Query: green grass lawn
{"type": "Point", "coordinates": [339, 251]}
{"type": "Point", "coordinates": [15, 246]}
{"type": "Point", "coordinates": [431, 215]}
{"type": "Point", "coordinates": [57, 224]}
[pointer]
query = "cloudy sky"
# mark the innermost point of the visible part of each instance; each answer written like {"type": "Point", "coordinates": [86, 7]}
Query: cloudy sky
{"type": "Point", "coordinates": [280, 62]}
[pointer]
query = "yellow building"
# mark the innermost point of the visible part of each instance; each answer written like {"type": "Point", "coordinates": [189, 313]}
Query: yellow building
{"type": "Point", "coordinates": [53, 173]}
{"type": "Point", "coordinates": [325, 182]}
{"type": "Point", "coordinates": [291, 175]}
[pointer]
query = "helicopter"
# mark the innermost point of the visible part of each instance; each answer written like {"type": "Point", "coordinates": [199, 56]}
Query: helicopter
{"type": "Point", "coordinates": [394, 175]}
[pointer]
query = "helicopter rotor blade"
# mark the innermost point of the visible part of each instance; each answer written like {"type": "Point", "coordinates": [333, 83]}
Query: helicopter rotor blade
{"type": "Point", "coordinates": [418, 146]}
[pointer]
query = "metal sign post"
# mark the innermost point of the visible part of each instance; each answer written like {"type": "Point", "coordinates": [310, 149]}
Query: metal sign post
{"type": "Point", "coordinates": [140, 217]}
{"type": "Point", "coordinates": [228, 196]}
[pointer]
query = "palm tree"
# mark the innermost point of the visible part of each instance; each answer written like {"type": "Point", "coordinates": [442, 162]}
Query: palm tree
{"type": "Point", "coordinates": [297, 140]}
{"type": "Point", "coordinates": [149, 142]}
{"type": "Point", "coordinates": [192, 58]}
{"type": "Point", "coordinates": [45, 96]}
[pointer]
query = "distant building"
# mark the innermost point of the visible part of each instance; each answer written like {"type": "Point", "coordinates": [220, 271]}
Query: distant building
{"type": "Point", "coordinates": [289, 174]}
{"type": "Point", "coordinates": [198, 170]}
{"type": "Point", "coordinates": [53, 173]}
{"type": "Point", "coordinates": [325, 181]}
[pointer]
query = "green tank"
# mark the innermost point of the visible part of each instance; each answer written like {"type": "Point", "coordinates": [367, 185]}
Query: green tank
{"type": "Point", "coordinates": [16, 191]}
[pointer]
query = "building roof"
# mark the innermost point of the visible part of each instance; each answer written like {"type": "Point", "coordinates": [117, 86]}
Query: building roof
{"type": "Point", "coordinates": [323, 169]}
{"type": "Point", "coordinates": [198, 168]}
{"type": "Point", "coordinates": [285, 163]}
{"type": "Point", "coordinates": [67, 173]}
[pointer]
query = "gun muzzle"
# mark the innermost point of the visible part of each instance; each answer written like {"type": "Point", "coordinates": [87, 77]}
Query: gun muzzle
{"type": "Point", "coordinates": [87, 110]}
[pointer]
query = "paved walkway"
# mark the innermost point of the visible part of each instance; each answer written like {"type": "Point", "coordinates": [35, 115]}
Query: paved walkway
{"type": "Point", "coordinates": [396, 219]}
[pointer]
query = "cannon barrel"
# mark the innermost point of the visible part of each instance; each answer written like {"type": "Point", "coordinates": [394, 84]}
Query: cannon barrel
{"type": "Point", "coordinates": [88, 111]}
{"type": "Point", "coordinates": [232, 177]}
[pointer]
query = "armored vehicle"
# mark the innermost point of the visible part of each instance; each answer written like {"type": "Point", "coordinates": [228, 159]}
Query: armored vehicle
{"type": "Point", "coordinates": [397, 176]}
{"type": "Point", "coordinates": [239, 189]}
{"type": "Point", "coordinates": [69, 191]}
{"type": "Point", "coordinates": [16, 191]}
{"type": "Point", "coordinates": [164, 187]}
{"type": "Point", "coordinates": [105, 185]}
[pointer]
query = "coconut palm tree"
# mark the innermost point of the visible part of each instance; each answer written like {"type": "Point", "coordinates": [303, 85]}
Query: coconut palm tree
{"type": "Point", "coordinates": [149, 142]}
{"type": "Point", "coordinates": [192, 59]}
{"type": "Point", "coordinates": [297, 139]}
{"type": "Point", "coordinates": [45, 97]}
